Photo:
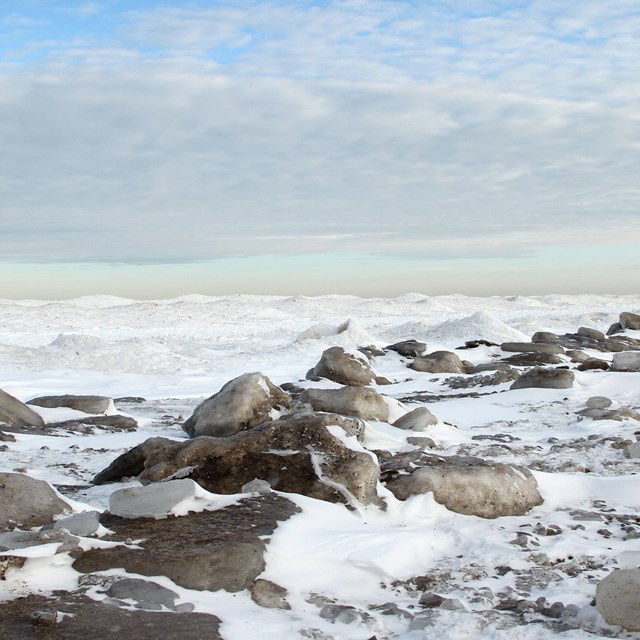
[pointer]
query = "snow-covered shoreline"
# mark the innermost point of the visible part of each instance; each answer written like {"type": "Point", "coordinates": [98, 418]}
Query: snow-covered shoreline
{"type": "Point", "coordinates": [173, 353]}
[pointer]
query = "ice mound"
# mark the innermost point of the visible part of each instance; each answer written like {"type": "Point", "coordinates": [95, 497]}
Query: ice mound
{"type": "Point", "coordinates": [480, 325]}
{"type": "Point", "coordinates": [347, 333]}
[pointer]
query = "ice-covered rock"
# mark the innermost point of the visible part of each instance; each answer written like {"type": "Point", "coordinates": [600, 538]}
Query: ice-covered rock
{"type": "Point", "coordinates": [360, 402]}
{"type": "Point", "coordinates": [344, 367]}
{"type": "Point", "coordinates": [626, 361]}
{"type": "Point", "coordinates": [419, 419]}
{"type": "Point", "coordinates": [618, 598]}
{"type": "Point", "coordinates": [545, 379]}
{"type": "Point", "coordinates": [242, 403]}
{"type": "Point", "coordinates": [470, 486]}
{"type": "Point", "coordinates": [153, 500]}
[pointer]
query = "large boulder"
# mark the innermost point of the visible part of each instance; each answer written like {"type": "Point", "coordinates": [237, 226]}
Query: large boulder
{"type": "Point", "coordinates": [242, 403]}
{"type": "Point", "coordinates": [306, 454]}
{"type": "Point", "coordinates": [16, 413]}
{"type": "Point", "coordinates": [86, 404]}
{"type": "Point", "coordinates": [630, 320]}
{"type": "Point", "coordinates": [440, 362]}
{"type": "Point", "coordinates": [470, 486]}
{"type": "Point", "coordinates": [545, 379]}
{"type": "Point", "coordinates": [618, 598]}
{"type": "Point", "coordinates": [360, 402]}
{"type": "Point", "coordinates": [26, 502]}
{"type": "Point", "coordinates": [211, 550]}
{"type": "Point", "coordinates": [344, 367]}
{"type": "Point", "coordinates": [626, 361]}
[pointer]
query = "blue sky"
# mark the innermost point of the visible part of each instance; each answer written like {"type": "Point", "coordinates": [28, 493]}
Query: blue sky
{"type": "Point", "coordinates": [371, 147]}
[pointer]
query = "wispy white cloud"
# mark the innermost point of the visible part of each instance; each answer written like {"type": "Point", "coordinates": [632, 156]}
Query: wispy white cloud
{"type": "Point", "coordinates": [245, 128]}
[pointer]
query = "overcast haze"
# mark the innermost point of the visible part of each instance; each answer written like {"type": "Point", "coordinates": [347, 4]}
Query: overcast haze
{"type": "Point", "coordinates": [368, 147]}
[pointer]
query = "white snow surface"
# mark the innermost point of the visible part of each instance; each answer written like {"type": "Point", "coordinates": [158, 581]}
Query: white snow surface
{"type": "Point", "coordinates": [177, 352]}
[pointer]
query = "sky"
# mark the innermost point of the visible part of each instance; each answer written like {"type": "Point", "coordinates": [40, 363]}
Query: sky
{"type": "Point", "coordinates": [369, 147]}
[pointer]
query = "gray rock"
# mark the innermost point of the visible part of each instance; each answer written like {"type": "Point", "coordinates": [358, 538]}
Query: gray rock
{"type": "Point", "coordinates": [470, 486]}
{"type": "Point", "coordinates": [545, 379]}
{"type": "Point", "coordinates": [440, 362]}
{"type": "Point", "coordinates": [598, 402]}
{"type": "Point", "coordinates": [211, 550]}
{"type": "Point", "coordinates": [153, 500]}
{"type": "Point", "coordinates": [26, 502]}
{"type": "Point", "coordinates": [344, 368]}
{"type": "Point", "coordinates": [16, 413]}
{"type": "Point", "coordinates": [85, 523]}
{"type": "Point", "coordinates": [360, 402]}
{"type": "Point", "coordinates": [630, 320]}
{"type": "Point", "coordinates": [626, 361]}
{"type": "Point", "coordinates": [618, 598]}
{"type": "Point", "coordinates": [408, 348]}
{"type": "Point", "coordinates": [242, 403]}
{"type": "Point", "coordinates": [296, 454]}
{"type": "Point", "coordinates": [533, 359]}
{"type": "Point", "coordinates": [419, 419]}
{"type": "Point", "coordinates": [592, 334]}
{"type": "Point", "coordinates": [616, 327]}
{"type": "Point", "coordinates": [531, 347]}
{"type": "Point", "coordinates": [146, 595]}
{"type": "Point", "coordinates": [86, 404]}
{"type": "Point", "coordinates": [632, 450]}
{"type": "Point", "coordinates": [269, 595]}
{"type": "Point", "coordinates": [16, 540]}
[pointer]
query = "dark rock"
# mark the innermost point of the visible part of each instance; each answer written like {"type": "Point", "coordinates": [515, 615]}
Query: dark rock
{"type": "Point", "coordinates": [287, 453]}
{"type": "Point", "coordinates": [593, 334]}
{"type": "Point", "coordinates": [533, 359]}
{"type": "Point", "coordinates": [531, 347]}
{"type": "Point", "coordinates": [593, 363]}
{"type": "Point", "coordinates": [86, 404]}
{"type": "Point", "coordinates": [6, 437]}
{"type": "Point", "coordinates": [211, 550]}
{"type": "Point", "coordinates": [130, 400]}
{"type": "Point", "coordinates": [408, 348]}
{"type": "Point", "coordinates": [36, 618]}
{"type": "Point", "coordinates": [131, 463]}
{"type": "Point", "coordinates": [16, 413]}
{"type": "Point", "coordinates": [545, 379]}
{"type": "Point", "coordinates": [474, 344]}
{"type": "Point", "coordinates": [112, 423]}
{"type": "Point", "coordinates": [344, 368]}
{"type": "Point", "coordinates": [616, 327]}
{"type": "Point", "coordinates": [543, 336]}
{"type": "Point", "coordinates": [26, 502]}
{"type": "Point", "coordinates": [242, 403]}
